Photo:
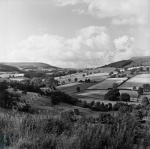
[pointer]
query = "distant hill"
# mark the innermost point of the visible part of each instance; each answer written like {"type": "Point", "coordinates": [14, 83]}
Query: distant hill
{"type": "Point", "coordinates": [133, 62]}
{"type": "Point", "coordinates": [119, 64]}
{"type": "Point", "coordinates": [6, 68]}
{"type": "Point", "coordinates": [30, 65]}
{"type": "Point", "coordinates": [141, 57]}
{"type": "Point", "coordinates": [140, 61]}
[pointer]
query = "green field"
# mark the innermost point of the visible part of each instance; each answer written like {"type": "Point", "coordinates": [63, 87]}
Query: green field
{"type": "Point", "coordinates": [137, 81]}
{"type": "Point", "coordinates": [93, 77]}
{"type": "Point", "coordinates": [106, 84]}
{"type": "Point", "coordinates": [72, 89]}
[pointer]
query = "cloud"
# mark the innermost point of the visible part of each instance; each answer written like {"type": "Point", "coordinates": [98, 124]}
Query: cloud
{"type": "Point", "coordinates": [79, 11]}
{"type": "Point", "coordinates": [88, 43]}
{"type": "Point", "coordinates": [120, 11]}
{"type": "Point", "coordinates": [123, 42]}
{"type": "Point", "coordinates": [66, 2]}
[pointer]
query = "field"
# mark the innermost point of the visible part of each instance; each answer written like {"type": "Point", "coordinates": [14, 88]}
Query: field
{"type": "Point", "coordinates": [7, 75]}
{"type": "Point", "coordinates": [19, 79]}
{"type": "Point", "coordinates": [98, 95]}
{"type": "Point", "coordinates": [72, 89]}
{"type": "Point", "coordinates": [137, 81]}
{"type": "Point", "coordinates": [68, 85]}
{"type": "Point", "coordinates": [79, 76]}
{"type": "Point", "coordinates": [106, 84]}
{"type": "Point", "coordinates": [103, 70]}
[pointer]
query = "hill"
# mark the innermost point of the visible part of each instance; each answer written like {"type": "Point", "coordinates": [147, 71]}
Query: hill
{"type": "Point", "coordinates": [119, 64]}
{"type": "Point", "coordinates": [7, 68]}
{"type": "Point", "coordinates": [30, 65]}
{"type": "Point", "coordinates": [133, 62]}
{"type": "Point", "coordinates": [140, 61]}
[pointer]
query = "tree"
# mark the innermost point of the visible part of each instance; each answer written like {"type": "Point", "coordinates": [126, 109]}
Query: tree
{"type": "Point", "coordinates": [125, 97]}
{"type": "Point", "coordinates": [87, 80]}
{"type": "Point", "coordinates": [140, 68]}
{"type": "Point", "coordinates": [84, 104]}
{"type": "Point", "coordinates": [115, 85]}
{"type": "Point", "coordinates": [134, 88]}
{"type": "Point", "coordinates": [138, 114]}
{"type": "Point", "coordinates": [132, 71]}
{"type": "Point", "coordinates": [96, 106]}
{"type": "Point", "coordinates": [147, 69]}
{"type": "Point", "coordinates": [110, 73]}
{"type": "Point", "coordinates": [109, 106]}
{"type": "Point", "coordinates": [145, 87]}
{"type": "Point", "coordinates": [83, 75]}
{"type": "Point", "coordinates": [140, 92]}
{"type": "Point", "coordinates": [112, 95]}
{"type": "Point", "coordinates": [3, 86]}
{"type": "Point", "coordinates": [145, 101]}
{"type": "Point", "coordinates": [78, 89]}
{"type": "Point", "coordinates": [76, 79]}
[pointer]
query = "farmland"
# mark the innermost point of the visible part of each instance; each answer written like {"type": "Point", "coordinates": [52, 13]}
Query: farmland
{"type": "Point", "coordinates": [72, 89]}
{"type": "Point", "coordinates": [106, 84]}
{"type": "Point", "coordinates": [93, 77]}
{"type": "Point", "coordinates": [137, 81]}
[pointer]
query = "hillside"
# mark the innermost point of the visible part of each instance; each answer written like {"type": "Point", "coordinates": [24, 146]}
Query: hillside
{"type": "Point", "coordinates": [140, 61]}
{"type": "Point", "coordinates": [133, 62]}
{"type": "Point", "coordinates": [119, 64]}
{"type": "Point", "coordinates": [6, 68]}
{"type": "Point", "coordinates": [30, 65]}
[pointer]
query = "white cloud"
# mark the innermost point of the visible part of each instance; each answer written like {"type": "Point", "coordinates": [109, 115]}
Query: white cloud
{"type": "Point", "coordinates": [124, 42]}
{"type": "Point", "coordinates": [87, 44]}
{"type": "Point", "coordinates": [66, 2]}
{"type": "Point", "coordinates": [121, 11]}
{"type": "Point", "coordinates": [79, 11]}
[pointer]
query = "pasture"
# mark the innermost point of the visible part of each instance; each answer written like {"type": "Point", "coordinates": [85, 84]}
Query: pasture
{"type": "Point", "coordinates": [108, 83]}
{"type": "Point", "coordinates": [103, 70]}
{"type": "Point", "coordinates": [99, 94]}
{"type": "Point", "coordinates": [93, 77]}
{"type": "Point", "coordinates": [69, 85]}
{"type": "Point", "coordinates": [72, 89]}
{"type": "Point", "coordinates": [137, 81]}
{"type": "Point", "coordinates": [7, 75]}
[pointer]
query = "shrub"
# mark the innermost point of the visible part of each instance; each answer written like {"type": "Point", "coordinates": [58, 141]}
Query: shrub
{"type": "Point", "coordinates": [112, 95]}
{"type": "Point", "coordinates": [145, 101]}
{"type": "Point", "coordinates": [140, 91]}
{"type": "Point", "coordinates": [78, 89]}
{"type": "Point", "coordinates": [125, 97]}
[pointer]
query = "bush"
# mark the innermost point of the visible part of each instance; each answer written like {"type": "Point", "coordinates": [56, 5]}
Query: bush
{"type": "Point", "coordinates": [125, 97]}
{"type": "Point", "coordinates": [140, 91]}
{"type": "Point", "coordinates": [145, 101]}
{"type": "Point", "coordinates": [78, 89]}
{"type": "Point", "coordinates": [112, 95]}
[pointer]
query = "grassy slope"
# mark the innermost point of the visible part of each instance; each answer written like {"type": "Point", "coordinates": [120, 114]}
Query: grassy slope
{"type": "Point", "coordinates": [119, 64]}
{"type": "Point", "coordinates": [7, 68]}
{"type": "Point", "coordinates": [29, 65]}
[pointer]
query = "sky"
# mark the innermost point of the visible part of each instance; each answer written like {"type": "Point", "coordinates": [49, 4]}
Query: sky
{"type": "Point", "coordinates": [72, 33]}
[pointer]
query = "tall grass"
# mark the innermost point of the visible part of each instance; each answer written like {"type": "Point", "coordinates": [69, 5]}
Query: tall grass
{"type": "Point", "coordinates": [64, 130]}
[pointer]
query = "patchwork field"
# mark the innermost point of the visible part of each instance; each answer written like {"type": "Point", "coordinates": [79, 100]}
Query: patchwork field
{"type": "Point", "coordinates": [88, 100]}
{"type": "Point", "coordinates": [93, 77]}
{"type": "Point", "coordinates": [7, 75]}
{"type": "Point", "coordinates": [72, 89]}
{"type": "Point", "coordinates": [69, 85]}
{"type": "Point", "coordinates": [19, 79]}
{"type": "Point", "coordinates": [103, 70]}
{"type": "Point", "coordinates": [99, 94]}
{"type": "Point", "coordinates": [108, 83]}
{"type": "Point", "coordinates": [137, 81]}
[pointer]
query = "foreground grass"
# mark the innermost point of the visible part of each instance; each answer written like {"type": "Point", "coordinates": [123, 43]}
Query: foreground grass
{"type": "Point", "coordinates": [65, 130]}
